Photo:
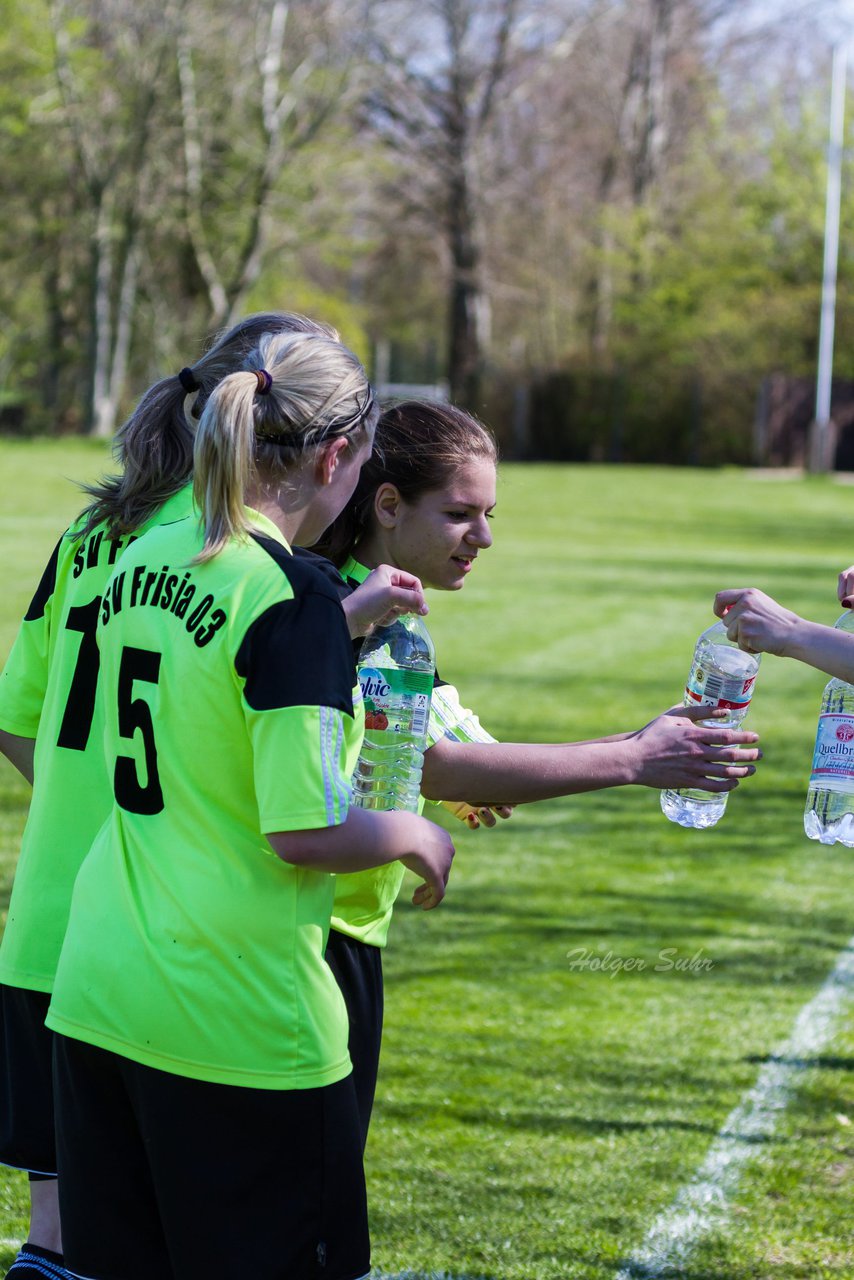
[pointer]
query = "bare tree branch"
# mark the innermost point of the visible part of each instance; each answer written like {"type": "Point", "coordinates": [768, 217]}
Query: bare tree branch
{"type": "Point", "coordinates": [191, 136]}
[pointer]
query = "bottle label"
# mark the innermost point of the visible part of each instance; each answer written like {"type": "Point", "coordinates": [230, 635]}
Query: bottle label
{"type": "Point", "coordinates": [710, 688]}
{"type": "Point", "coordinates": [834, 750]}
{"type": "Point", "coordinates": [396, 700]}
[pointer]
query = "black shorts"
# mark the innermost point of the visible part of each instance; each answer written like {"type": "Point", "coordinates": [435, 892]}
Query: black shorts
{"type": "Point", "coordinates": [358, 969]}
{"type": "Point", "coordinates": [26, 1084]}
{"type": "Point", "coordinates": [161, 1175]}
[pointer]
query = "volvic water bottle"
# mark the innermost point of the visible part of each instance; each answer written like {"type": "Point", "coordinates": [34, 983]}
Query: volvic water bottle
{"type": "Point", "coordinates": [395, 669]}
{"type": "Point", "coordinates": [829, 810]}
{"type": "Point", "coordinates": [722, 675]}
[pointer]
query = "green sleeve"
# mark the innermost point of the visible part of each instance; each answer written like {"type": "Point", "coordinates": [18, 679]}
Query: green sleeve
{"type": "Point", "coordinates": [23, 683]}
{"type": "Point", "coordinates": [300, 754]}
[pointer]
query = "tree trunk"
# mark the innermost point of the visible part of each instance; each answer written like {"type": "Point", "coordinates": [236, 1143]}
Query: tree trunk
{"type": "Point", "coordinates": [101, 412]}
{"type": "Point", "coordinates": [466, 308]}
{"type": "Point", "coordinates": [55, 329]}
{"type": "Point", "coordinates": [641, 135]}
{"type": "Point", "coordinates": [651, 129]}
{"type": "Point", "coordinates": [466, 302]}
{"type": "Point", "coordinates": [124, 323]}
{"type": "Point", "coordinates": [112, 331]}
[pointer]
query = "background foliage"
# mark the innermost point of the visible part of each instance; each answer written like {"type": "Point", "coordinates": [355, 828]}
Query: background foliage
{"type": "Point", "coordinates": [593, 203]}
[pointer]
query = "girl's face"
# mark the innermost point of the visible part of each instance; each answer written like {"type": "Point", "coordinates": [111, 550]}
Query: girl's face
{"type": "Point", "coordinates": [439, 535]}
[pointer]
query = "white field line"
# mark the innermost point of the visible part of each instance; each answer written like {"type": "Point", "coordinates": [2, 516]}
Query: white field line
{"type": "Point", "coordinates": [703, 1203]}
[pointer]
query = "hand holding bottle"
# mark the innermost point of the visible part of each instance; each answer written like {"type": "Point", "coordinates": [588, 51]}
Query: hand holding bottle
{"type": "Point", "coordinates": [756, 622]}
{"type": "Point", "coordinates": [721, 678]}
{"type": "Point", "coordinates": [759, 624]}
{"type": "Point", "coordinates": [695, 747]}
{"type": "Point", "coordinates": [386, 594]}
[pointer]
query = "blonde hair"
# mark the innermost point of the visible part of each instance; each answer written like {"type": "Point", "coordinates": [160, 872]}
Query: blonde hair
{"type": "Point", "coordinates": [155, 445]}
{"type": "Point", "coordinates": [318, 390]}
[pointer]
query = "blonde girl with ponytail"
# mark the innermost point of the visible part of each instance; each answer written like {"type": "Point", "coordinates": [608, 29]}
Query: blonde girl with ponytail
{"type": "Point", "coordinates": [50, 716]}
{"type": "Point", "coordinates": [202, 1072]}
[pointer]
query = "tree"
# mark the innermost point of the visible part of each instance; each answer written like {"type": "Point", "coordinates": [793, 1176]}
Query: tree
{"type": "Point", "coordinates": [432, 106]}
{"type": "Point", "coordinates": [286, 69]}
{"type": "Point", "coordinates": [109, 62]}
{"type": "Point", "coordinates": [593, 185]}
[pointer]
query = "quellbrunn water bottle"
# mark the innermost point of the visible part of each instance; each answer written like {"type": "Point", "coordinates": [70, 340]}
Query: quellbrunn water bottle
{"type": "Point", "coordinates": [722, 675]}
{"type": "Point", "coordinates": [396, 667]}
{"type": "Point", "coordinates": [829, 810]}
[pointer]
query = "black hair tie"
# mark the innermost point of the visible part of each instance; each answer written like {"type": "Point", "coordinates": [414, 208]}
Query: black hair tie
{"type": "Point", "coordinates": [187, 380]}
{"type": "Point", "coordinates": [265, 382]}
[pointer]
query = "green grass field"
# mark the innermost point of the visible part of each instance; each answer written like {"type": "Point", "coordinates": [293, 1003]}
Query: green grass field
{"type": "Point", "coordinates": [533, 1117]}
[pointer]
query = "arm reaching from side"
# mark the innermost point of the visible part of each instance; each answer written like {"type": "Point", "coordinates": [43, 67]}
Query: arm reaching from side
{"type": "Point", "coordinates": [759, 624]}
{"type": "Point", "coordinates": [671, 751]}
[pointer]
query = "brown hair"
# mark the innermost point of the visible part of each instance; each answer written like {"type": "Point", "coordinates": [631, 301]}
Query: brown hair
{"type": "Point", "coordinates": [418, 446]}
{"type": "Point", "coordinates": [154, 447]}
{"type": "Point", "coordinates": [315, 390]}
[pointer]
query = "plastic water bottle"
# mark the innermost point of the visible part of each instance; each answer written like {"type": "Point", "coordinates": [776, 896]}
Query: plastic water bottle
{"type": "Point", "coordinates": [395, 669]}
{"type": "Point", "coordinates": [722, 675]}
{"type": "Point", "coordinates": [829, 810]}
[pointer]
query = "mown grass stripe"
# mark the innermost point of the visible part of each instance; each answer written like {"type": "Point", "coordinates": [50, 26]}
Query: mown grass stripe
{"type": "Point", "coordinates": [703, 1204]}
{"type": "Point", "coordinates": [533, 1111]}
{"type": "Point", "coordinates": [421, 1275]}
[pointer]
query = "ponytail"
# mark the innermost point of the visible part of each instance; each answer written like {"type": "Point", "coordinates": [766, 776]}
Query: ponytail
{"type": "Point", "coordinates": [224, 458]}
{"type": "Point", "coordinates": [296, 393]}
{"type": "Point", "coordinates": [154, 447]}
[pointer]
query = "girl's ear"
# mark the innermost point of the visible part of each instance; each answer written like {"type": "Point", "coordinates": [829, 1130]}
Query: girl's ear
{"type": "Point", "coordinates": [328, 459]}
{"type": "Point", "coordinates": [387, 502]}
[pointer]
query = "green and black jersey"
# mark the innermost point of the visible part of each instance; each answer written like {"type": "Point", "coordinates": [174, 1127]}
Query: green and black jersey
{"type": "Point", "coordinates": [364, 900]}
{"type": "Point", "coordinates": [230, 712]}
{"type": "Point", "coordinates": [48, 692]}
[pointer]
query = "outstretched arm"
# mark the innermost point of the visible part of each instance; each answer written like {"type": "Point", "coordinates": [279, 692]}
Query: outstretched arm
{"type": "Point", "coordinates": [450, 719]}
{"type": "Point", "coordinates": [671, 751]}
{"type": "Point", "coordinates": [759, 624]}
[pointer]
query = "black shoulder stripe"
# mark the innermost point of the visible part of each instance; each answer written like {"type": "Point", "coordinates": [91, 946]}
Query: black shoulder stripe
{"type": "Point", "coordinates": [298, 652]}
{"type": "Point", "coordinates": [326, 567]}
{"type": "Point", "coordinates": [45, 589]}
{"type": "Point", "coordinates": [347, 587]}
